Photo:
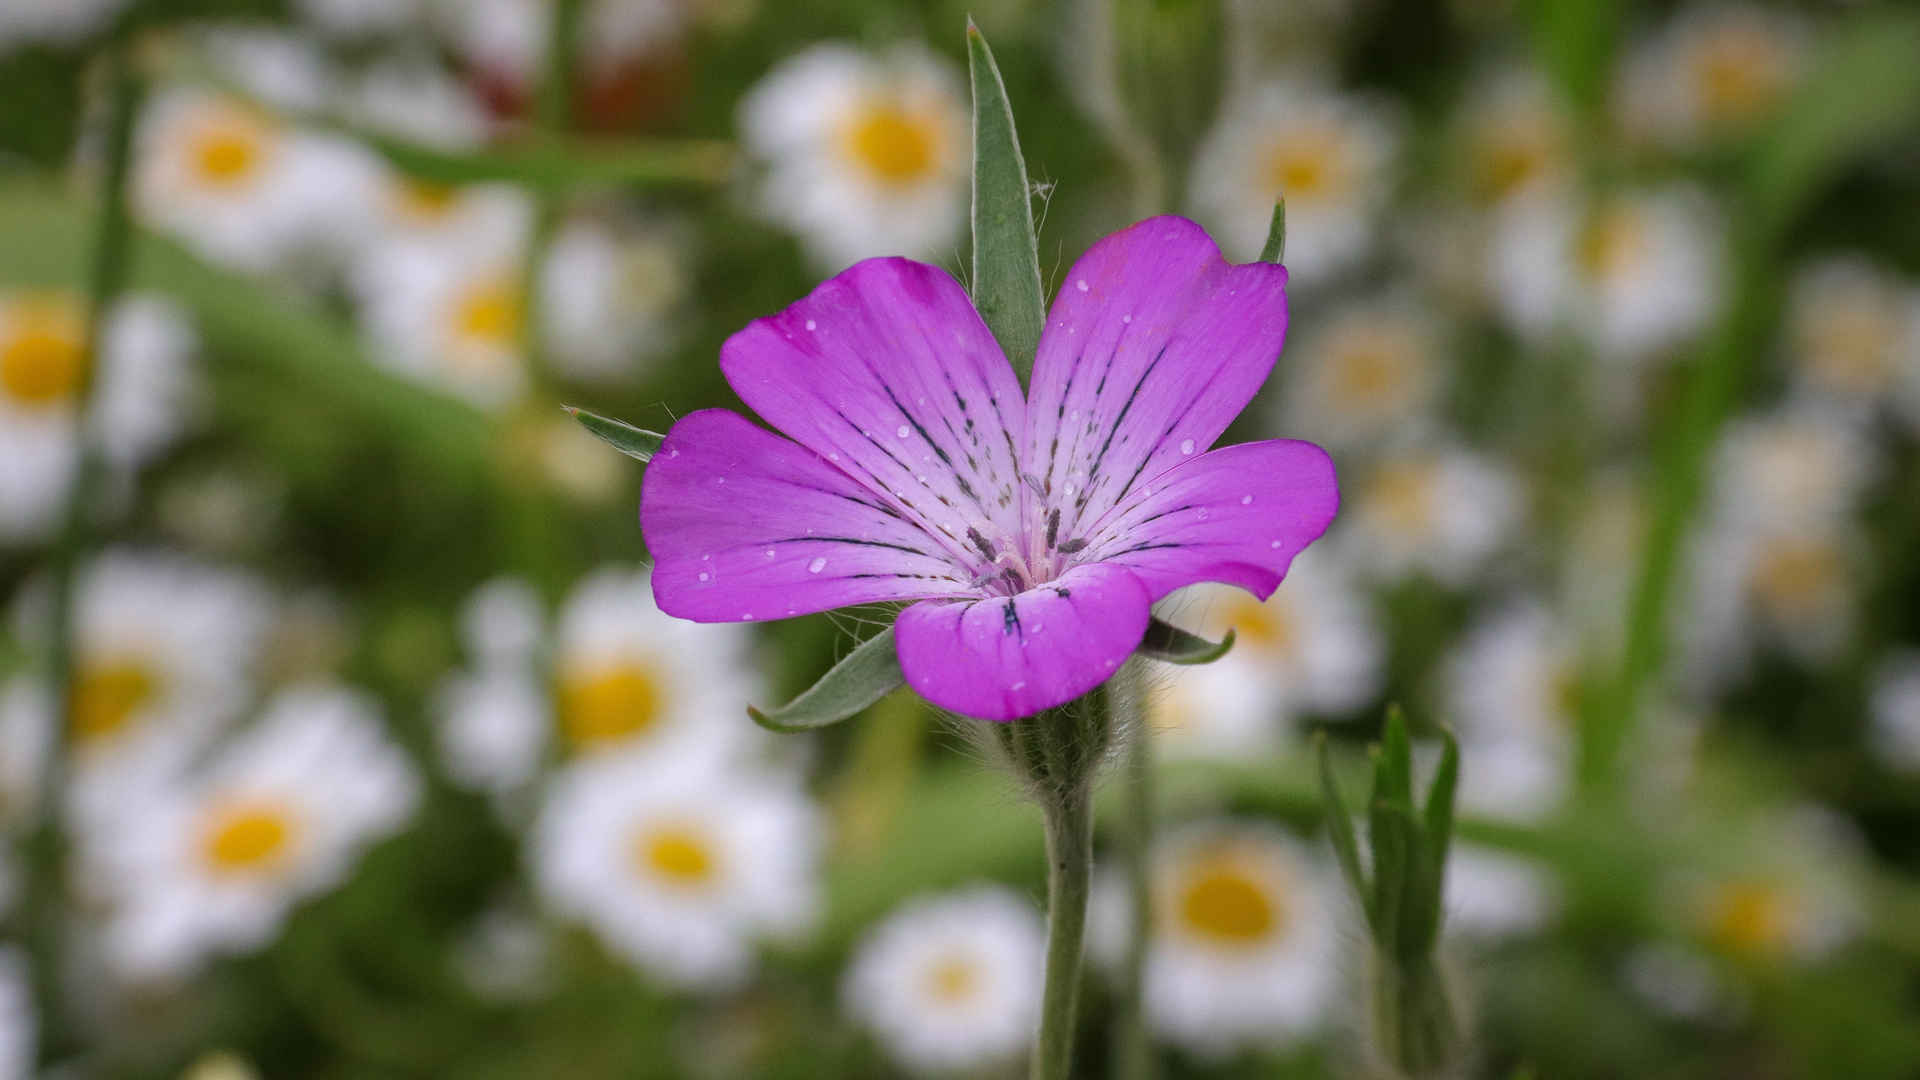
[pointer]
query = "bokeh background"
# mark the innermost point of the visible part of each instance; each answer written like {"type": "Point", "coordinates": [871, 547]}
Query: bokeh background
{"type": "Point", "coordinates": [380, 761]}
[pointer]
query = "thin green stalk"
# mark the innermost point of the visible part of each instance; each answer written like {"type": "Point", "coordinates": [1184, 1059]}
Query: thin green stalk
{"type": "Point", "coordinates": [553, 115]}
{"type": "Point", "coordinates": [1132, 1050]}
{"type": "Point", "coordinates": [106, 277]}
{"type": "Point", "coordinates": [1069, 825]}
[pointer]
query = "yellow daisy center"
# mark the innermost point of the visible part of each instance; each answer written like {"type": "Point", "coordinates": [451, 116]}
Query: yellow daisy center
{"type": "Point", "coordinates": [896, 145]}
{"type": "Point", "coordinates": [679, 854]}
{"type": "Point", "coordinates": [423, 200]}
{"type": "Point", "coordinates": [1402, 496]}
{"type": "Point", "coordinates": [1306, 167]}
{"type": "Point", "coordinates": [1751, 917]}
{"type": "Point", "coordinates": [107, 695]}
{"type": "Point", "coordinates": [1610, 243]}
{"type": "Point", "coordinates": [1507, 163]}
{"type": "Point", "coordinates": [1221, 902]}
{"type": "Point", "coordinates": [610, 704]}
{"type": "Point", "coordinates": [1851, 348]}
{"type": "Point", "coordinates": [490, 312]}
{"type": "Point", "coordinates": [1268, 627]}
{"type": "Point", "coordinates": [43, 353]}
{"type": "Point", "coordinates": [1793, 578]}
{"type": "Point", "coordinates": [229, 150]}
{"type": "Point", "coordinates": [246, 838]}
{"type": "Point", "coordinates": [953, 980]}
{"type": "Point", "coordinates": [1738, 73]}
{"type": "Point", "coordinates": [1369, 369]}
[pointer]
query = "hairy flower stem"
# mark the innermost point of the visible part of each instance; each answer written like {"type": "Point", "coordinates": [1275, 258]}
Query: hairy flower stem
{"type": "Point", "coordinates": [1132, 1051]}
{"type": "Point", "coordinates": [45, 905]}
{"type": "Point", "coordinates": [1069, 824]}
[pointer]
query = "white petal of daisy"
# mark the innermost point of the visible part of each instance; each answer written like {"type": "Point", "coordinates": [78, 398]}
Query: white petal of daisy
{"type": "Point", "coordinates": [1802, 465]}
{"type": "Point", "coordinates": [215, 859]}
{"type": "Point", "coordinates": [1440, 511]}
{"type": "Point", "coordinates": [493, 726]}
{"type": "Point", "coordinates": [166, 651]}
{"type": "Point", "coordinates": [1677, 981]}
{"type": "Point", "coordinates": [25, 22]}
{"type": "Point", "coordinates": [680, 867]}
{"type": "Point", "coordinates": [449, 314]}
{"type": "Point", "coordinates": [142, 396]}
{"type": "Point", "coordinates": [503, 623]}
{"type": "Point", "coordinates": [1371, 371]}
{"type": "Point", "coordinates": [361, 18]}
{"type": "Point", "coordinates": [1715, 72]}
{"type": "Point", "coordinates": [1244, 941]}
{"type": "Point", "coordinates": [609, 296]}
{"type": "Point", "coordinates": [1490, 894]}
{"type": "Point", "coordinates": [1850, 328]}
{"type": "Point", "coordinates": [1515, 675]}
{"type": "Point", "coordinates": [1331, 155]}
{"type": "Point", "coordinates": [1313, 647]}
{"type": "Point", "coordinates": [504, 955]}
{"type": "Point", "coordinates": [1895, 708]}
{"type": "Point", "coordinates": [284, 70]}
{"type": "Point", "coordinates": [1633, 275]}
{"type": "Point", "coordinates": [864, 155]}
{"type": "Point", "coordinates": [506, 39]}
{"type": "Point", "coordinates": [19, 1028]}
{"type": "Point", "coordinates": [951, 983]}
{"type": "Point", "coordinates": [416, 99]}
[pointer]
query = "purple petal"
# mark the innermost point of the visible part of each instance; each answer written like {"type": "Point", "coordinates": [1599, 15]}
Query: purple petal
{"type": "Point", "coordinates": [745, 525]}
{"type": "Point", "coordinates": [1236, 515]}
{"type": "Point", "coordinates": [1011, 656]}
{"type": "Point", "coordinates": [1154, 344]}
{"type": "Point", "coordinates": [888, 373]}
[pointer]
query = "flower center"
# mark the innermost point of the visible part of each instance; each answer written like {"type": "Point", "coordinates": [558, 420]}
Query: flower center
{"type": "Point", "coordinates": [894, 144]}
{"type": "Point", "coordinates": [678, 854]}
{"type": "Point", "coordinates": [1223, 903]}
{"type": "Point", "coordinates": [1751, 917]}
{"type": "Point", "coordinates": [43, 356]}
{"type": "Point", "coordinates": [611, 704]}
{"type": "Point", "coordinates": [1368, 372]}
{"type": "Point", "coordinates": [1268, 627]}
{"type": "Point", "coordinates": [106, 696]}
{"type": "Point", "coordinates": [246, 838]}
{"type": "Point", "coordinates": [1794, 577]}
{"type": "Point", "coordinates": [1402, 496]}
{"type": "Point", "coordinates": [1851, 348]}
{"type": "Point", "coordinates": [489, 313]}
{"type": "Point", "coordinates": [954, 979]}
{"type": "Point", "coordinates": [1738, 73]}
{"type": "Point", "coordinates": [423, 200]}
{"type": "Point", "coordinates": [1507, 164]}
{"type": "Point", "coordinates": [229, 150]}
{"type": "Point", "coordinates": [1306, 167]}
{"type": "Point", "coordinates": [1610, 243]}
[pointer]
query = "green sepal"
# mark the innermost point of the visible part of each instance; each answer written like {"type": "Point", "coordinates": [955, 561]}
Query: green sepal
{"type": "Point", "coordinates": [1006, 254]}
{"type": "Point", "coordinates": [637, 443]}
{"type": "Point", "coordinates": [1340, 828]}
{"type": "Point", "coordinates": [1169, 643]}
{"type": "Point", "coordinates": [1276, 249]}
{"type": "Point", "coordinates": [867, 674]}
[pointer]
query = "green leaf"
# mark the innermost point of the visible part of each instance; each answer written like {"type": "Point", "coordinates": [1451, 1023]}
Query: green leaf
{"type": "Point", "coordinates": [1438, 838]}
{"type": "Point", "coordinates": [1863, 92]}
{"type": "Point", "coordinates": [1006, 253]}
{"type": "Point", "coordinates": [870, 672]}
{"type": "Point", "coordinates": [1387, 832]}
{"type": "Point", "coordinates": [556, 164]}
{"type": "Point", "coordinates": [1340, 828]}
{"type": "Point", "coordinates": [637, 443]}
{"type": "Point", "coordinates": [1167, 642]}
{"type": "Point", "coordinates": [1276, 249]}
{"type": "Point", "coordinates": [1394, 777]}
{"type": "Point", "coordinates": [1577, 39]}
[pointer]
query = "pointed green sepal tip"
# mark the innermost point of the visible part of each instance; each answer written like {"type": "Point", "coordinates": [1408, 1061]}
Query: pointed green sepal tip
{"type": "Point", "coordinates": [1346, 846]}
{"type": "Point", "coordinates": [867, 674]}
{"type": "Point", "coordinates": [1007, 287]}
{"type": "Point", "coordinates": [637, 443]}
{"type": "Point", "coordinates": [1167, 642]}
{"type": "Point", "coordinates": [1276, 249]}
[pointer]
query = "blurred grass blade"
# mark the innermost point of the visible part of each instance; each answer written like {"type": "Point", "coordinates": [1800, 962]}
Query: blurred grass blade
{"type": "Point", "coordinates": [1438, 827]}
{"type": "Point", "coordinates": [1275, 250]}
{"type": "Point", "coordinates": [870, 672]}
{"type": "Point", "coordinates": [1396, 759]}
{"type": "Point", "coordinates": [1340, 828]}
{"type": "Point", "coordinates": [1862, 93]}
{"type": "Point", "coordinates": [557, 164]}
{"type": "Point", "coordinates": [1006, 253]}
{"type": "Point", "coordinates": [637, 443]}
{"type": "Point", "coordinates": [1167, 642]}
{"type": "Point", "coordinates": [1578, 38]}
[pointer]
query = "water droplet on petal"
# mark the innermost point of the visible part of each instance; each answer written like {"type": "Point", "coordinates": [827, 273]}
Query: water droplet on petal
{"type": "Point", "coordinates": [1081, 284]}
{"type": "Point", "coordinates": [817, 565]}
{"type": "Point", "coordinates": [1186, 446]}
{"type": "Point", "coordinates": [809, 324]}
{"type": "Point", "coordinates": [901, 431]}
{"type": "Point", "coordinates": [1275, 544]}
{"type": "Point", "coordinates": [1203, 513]}
{"type": "Point", "coordinates": [1126, 318]}
{"type": "Point", "coordinates": [1246, 500]}
{"type": "Point", "coordinates": [769, 553]}
{"type": "Point", "coordinates": [704, 575]}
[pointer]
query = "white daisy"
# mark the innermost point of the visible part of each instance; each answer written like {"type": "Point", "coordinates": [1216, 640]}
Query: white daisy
{"type": "Point", "coordinates": [1676, 980]}
{"type": "Point", "coordinates": [217, 859]}
{"type": "Point", "coordinates": [1783, 889]}
{"type": "Point", "coordinates": [680, 867]}
{"type": "Point", "coordinates": [1800, 465]}
{"type": "Point", "coordinates": [166, 651]}
{"type": "Point", "coordinates": [492, 725]}
{"type": "Point", "coordinates": [504, 954]}
{"type": "Point", "coordinates": [1516, 137]}
{"type": "Point", "coordinates": [1894, 706]}
{"type": "Point", "coordinates": [951, 983]}
{"type": "Point", "coordinates": [143, 395]}
{"type": "Point", "coordinates": [1596, 576]}
{"type": "Point", "coordinates": [503, 623]}
{"type": "Point", "coordinates": [1440, 511]}
{"type": "Point", "coordinates": [361, 18]}
{"type": "Point", "coordinates": [242, 188]}
{"type": "Point", "coordinates": [1793, 588]}
{"type": "Point", "coordinates": [285, 70]}
{"type": "Point", "coordinates": [506, 40]}
{"type": "Point", "coordinates": [1853, 329]}
{"type": "Point", "coordinates": [415, 99]}
{"type": "Point", "coordinates": [609, 296]}
{"type": "Point", "coordinates": [450, 312]}
{"type": "Point", "coordinates": [1491, 894]}
{"type": "Point", "coordinates": [1244, 946]}
{"type": "Point", "coordinates": [19, 1028]}
{"type": "Point", "coordinates": [864, 155]}
{"type": "Point", "coordinates": [1632, 274]}
{"type": "Point", "coordinates": [1716, 71]}
{"type": "Point", "coordinates": [1367, 375]}
{"type": "Point", "coordinates": [1314, 646]}
{"type": "Point", "coordinates": [1510, 690]}
{"type": "Point", "coordinates": [27, 22]}
{"type": "Point", "coordinates": [1330, 154]}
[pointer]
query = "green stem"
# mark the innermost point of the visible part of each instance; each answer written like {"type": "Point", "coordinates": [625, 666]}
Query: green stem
{"type": "Point", "coordinates": [107, 274]}
{"type": "Point", "coordinates": [1132, 1051]}
{"type": "Point", "coordinates": [1069, 825]}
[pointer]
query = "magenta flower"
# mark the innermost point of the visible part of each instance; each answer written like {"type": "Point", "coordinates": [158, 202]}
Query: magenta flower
{"type": "Point", "coordinates": [1034, 532]}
